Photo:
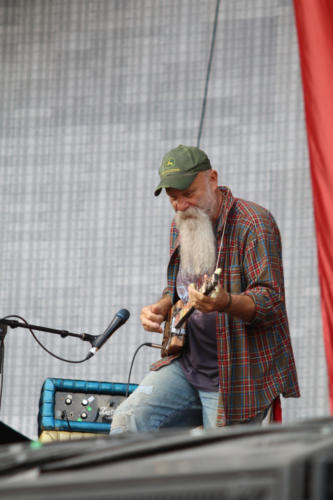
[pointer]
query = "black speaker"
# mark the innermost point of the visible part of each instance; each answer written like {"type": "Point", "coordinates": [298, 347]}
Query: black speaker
{"type": "Point", "coordinates": [246, 462]}
{"type": "Point", "coordinates": [9, 435]}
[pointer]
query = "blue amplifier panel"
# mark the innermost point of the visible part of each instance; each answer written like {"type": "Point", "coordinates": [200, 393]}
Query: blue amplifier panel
{"type": "Point", "coordinates": [79, 405]}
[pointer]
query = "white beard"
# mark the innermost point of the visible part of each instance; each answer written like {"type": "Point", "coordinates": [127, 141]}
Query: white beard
{"type": "Point", "coordinates": [197, 242]}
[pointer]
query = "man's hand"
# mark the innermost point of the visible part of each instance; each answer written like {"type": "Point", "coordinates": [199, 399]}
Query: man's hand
{"type": "Point", "coordinates": [217, 301]}
{"type": "Point", "coordinates": [240, 306]}
{"type": "Point", "coordinates": [152, 316]}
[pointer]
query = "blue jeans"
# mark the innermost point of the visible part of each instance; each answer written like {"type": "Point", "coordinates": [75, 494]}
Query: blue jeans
{"type": "Point", "coordinates": [166, 399]}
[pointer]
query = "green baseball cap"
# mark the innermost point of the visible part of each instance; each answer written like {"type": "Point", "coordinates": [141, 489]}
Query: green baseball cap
{"type": "Point", "coordinates": [180, 166]}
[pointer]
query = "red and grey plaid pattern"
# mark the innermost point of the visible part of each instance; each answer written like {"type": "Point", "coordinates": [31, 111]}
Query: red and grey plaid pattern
{"type": "Point", "coordinates": [256, 361]}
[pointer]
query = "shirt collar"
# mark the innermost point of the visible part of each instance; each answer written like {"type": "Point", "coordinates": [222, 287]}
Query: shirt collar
{"type": "Point", "coordinates": [228, 201]}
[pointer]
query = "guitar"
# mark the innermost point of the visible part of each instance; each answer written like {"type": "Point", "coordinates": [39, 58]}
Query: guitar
{"type": "Point", "coordinates": [174, 335]}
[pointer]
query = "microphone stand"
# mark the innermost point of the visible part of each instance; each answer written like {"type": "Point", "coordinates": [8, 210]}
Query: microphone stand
{"type": "Point", "coordinates": [5, 323]}
{"type": "Point", "coordinates": [63, 333]}
{"type": "Point", "coordinates": [3, 331]}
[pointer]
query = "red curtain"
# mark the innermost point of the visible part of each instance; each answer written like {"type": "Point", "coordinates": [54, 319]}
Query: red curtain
{"type": "Point", "coordinates": [314, 21]}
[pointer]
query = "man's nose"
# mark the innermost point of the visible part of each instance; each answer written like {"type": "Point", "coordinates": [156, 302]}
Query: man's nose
{"type": "Point", "coordinates": [181, 205]}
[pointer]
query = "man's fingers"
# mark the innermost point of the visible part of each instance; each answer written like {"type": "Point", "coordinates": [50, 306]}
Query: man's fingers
{"type": "Point", "coordinates": [150, 326]}
{"type": "Point", "coordinates": [155, 308]}
{"type": "Point", "coordinates": [201, 302]}
{"type": "Point", "coordinates": [156, 313]}
{"type": "Point", "coordinates": [152, 316]}
{"type": "Point", "coordinates": [194, 295]}
{"type": "Point", "coordinates": [150, 320]}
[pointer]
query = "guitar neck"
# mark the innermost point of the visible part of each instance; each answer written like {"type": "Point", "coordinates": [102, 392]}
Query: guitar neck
{"type": "Point", "coordinates": [184, 318]}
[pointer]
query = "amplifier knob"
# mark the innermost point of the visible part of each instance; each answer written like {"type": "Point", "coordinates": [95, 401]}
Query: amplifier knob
{"type": "Point", "coordinates": [84, 415]}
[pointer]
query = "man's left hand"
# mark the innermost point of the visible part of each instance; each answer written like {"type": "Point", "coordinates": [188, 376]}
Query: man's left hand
{"type": "Point", "coordinates": [217, 301]}
{"type": "Point", "coordinates": [238, 305]}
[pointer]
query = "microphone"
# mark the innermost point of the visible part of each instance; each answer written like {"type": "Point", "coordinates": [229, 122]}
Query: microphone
{"type": "Point", "coordinates": [120, 318]}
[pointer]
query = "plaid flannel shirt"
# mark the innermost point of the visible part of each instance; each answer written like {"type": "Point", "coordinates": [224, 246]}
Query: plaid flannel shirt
{"type": "Point", "coordinates": [255, 359]}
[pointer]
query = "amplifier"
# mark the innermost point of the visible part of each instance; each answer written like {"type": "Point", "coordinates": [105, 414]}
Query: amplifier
{"type": "Point", "coordinates": [79, 405]}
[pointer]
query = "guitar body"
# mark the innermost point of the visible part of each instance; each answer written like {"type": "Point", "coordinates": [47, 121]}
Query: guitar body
{"type": "Point", "coordinates": [173, 339]}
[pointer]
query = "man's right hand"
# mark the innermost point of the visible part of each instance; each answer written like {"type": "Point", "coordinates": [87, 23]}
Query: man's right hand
{"type": "Point", "coordinates": [152, 316]}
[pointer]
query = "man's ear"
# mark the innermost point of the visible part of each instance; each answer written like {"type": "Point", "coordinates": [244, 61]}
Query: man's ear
{"type": "Point", "coordinates": [213, 179]}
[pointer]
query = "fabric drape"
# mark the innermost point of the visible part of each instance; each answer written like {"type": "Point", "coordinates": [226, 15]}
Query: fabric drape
{"type": "Point", "coordinates": [314, 21]}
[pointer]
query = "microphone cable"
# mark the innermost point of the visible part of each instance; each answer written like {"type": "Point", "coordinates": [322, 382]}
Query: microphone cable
{"type": "Point", "coordinates": [67, 421]}
{"type": "Point", "coordinates": [210, 60]}
{"type": "Point", "coordinates": [148, 344]}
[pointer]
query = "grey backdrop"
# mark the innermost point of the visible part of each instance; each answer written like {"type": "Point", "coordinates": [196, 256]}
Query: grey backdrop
{"type": "Point", "coordinates": [93, 93]}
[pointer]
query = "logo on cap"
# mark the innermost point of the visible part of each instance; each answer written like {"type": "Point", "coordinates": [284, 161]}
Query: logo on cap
{"type": "Point", "coordinates": [168, 167]}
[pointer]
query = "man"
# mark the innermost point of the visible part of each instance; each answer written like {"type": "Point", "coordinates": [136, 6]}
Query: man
{"type": "Point", "coordinates": [237, 358]}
